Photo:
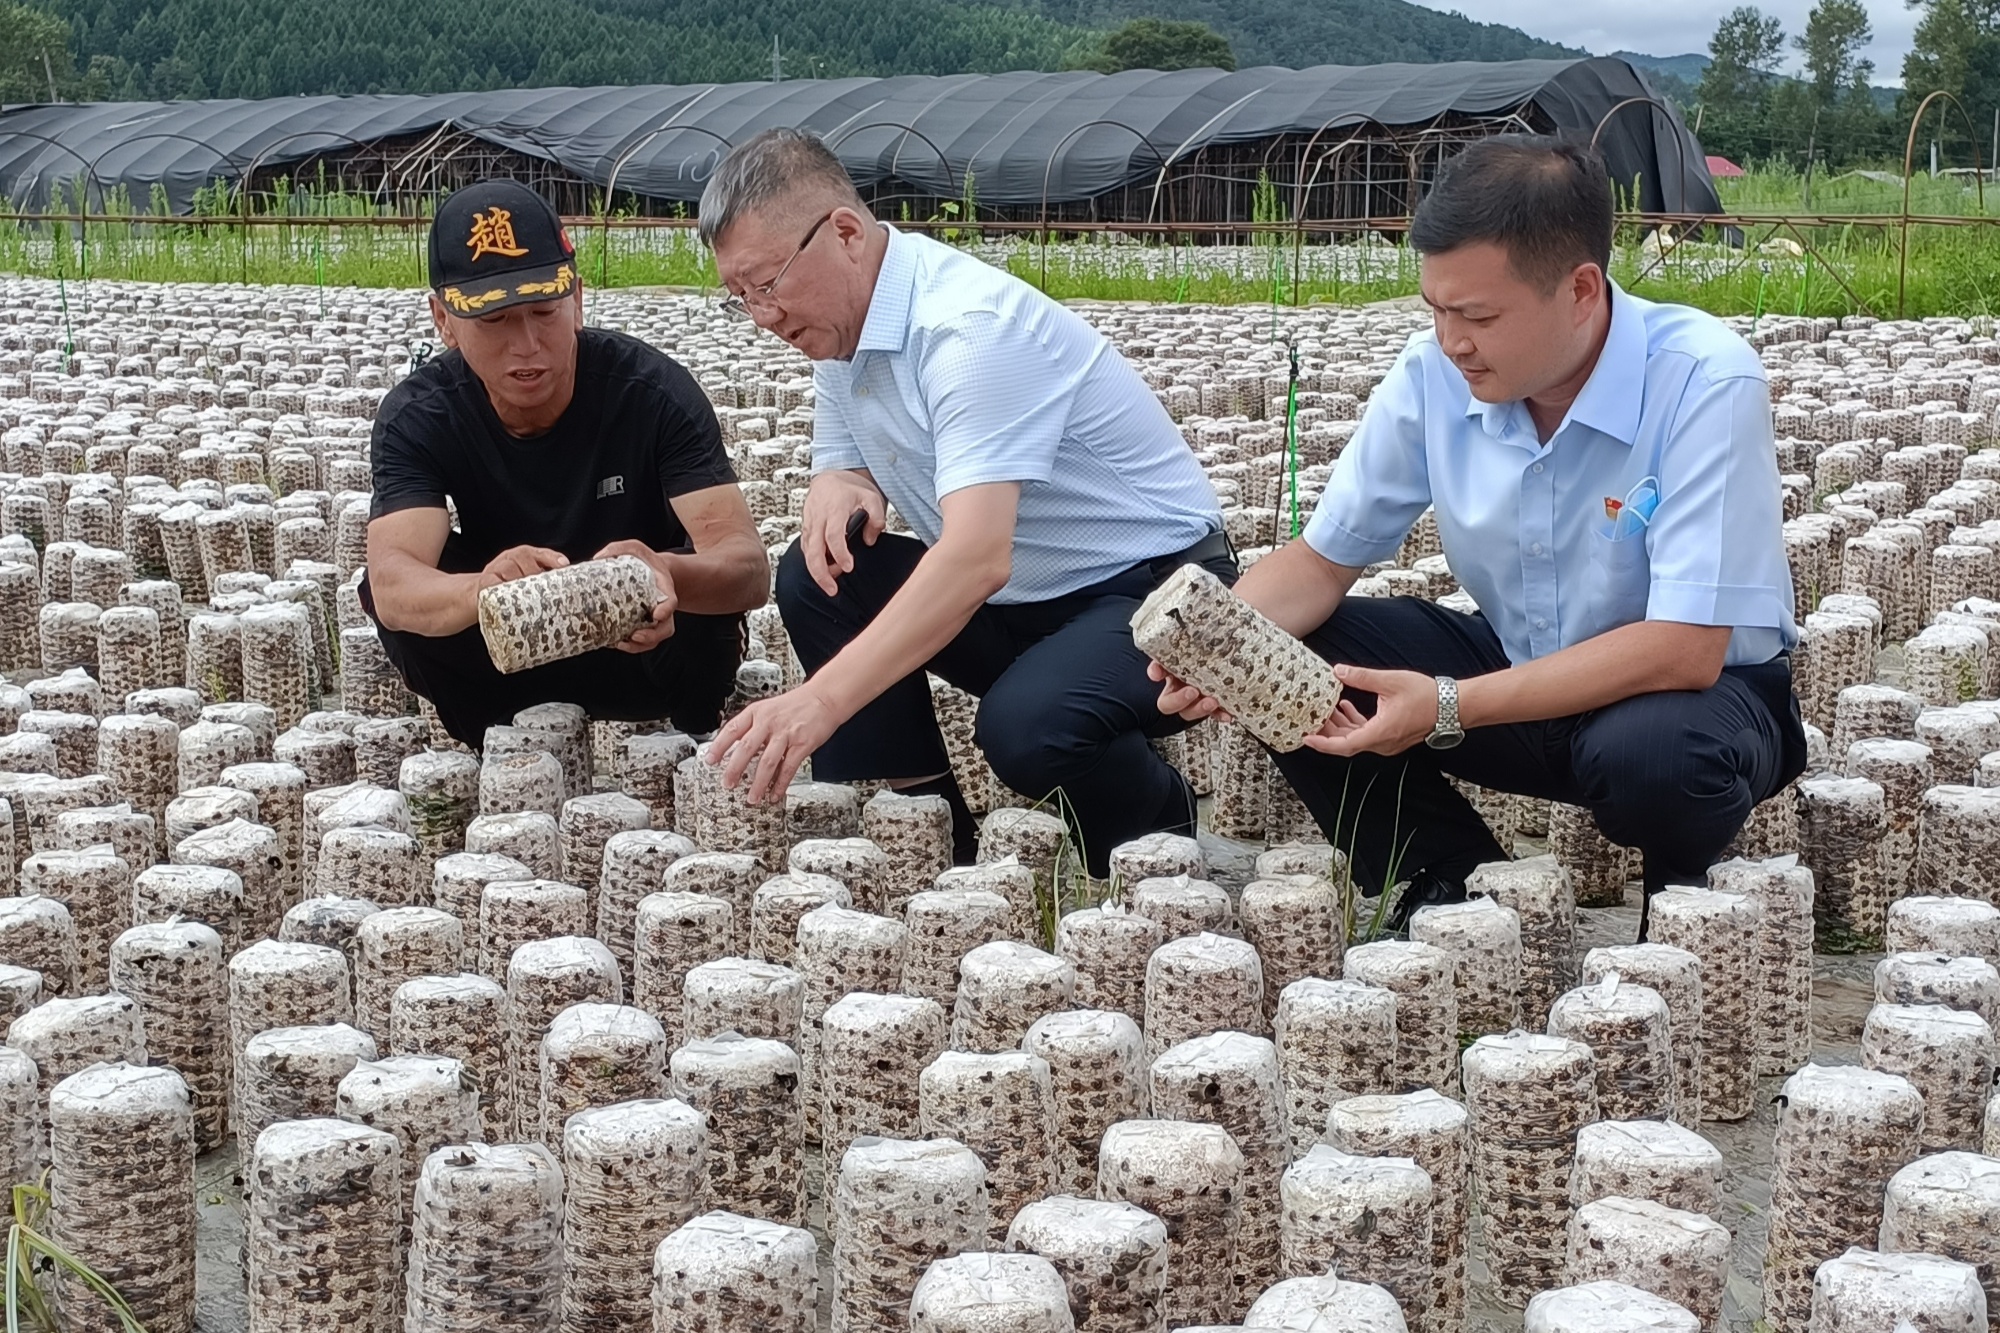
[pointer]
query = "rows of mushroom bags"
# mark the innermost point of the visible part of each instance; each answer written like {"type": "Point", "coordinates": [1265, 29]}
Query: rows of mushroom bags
{"type": "Point", "coordinates": [565, 1034]}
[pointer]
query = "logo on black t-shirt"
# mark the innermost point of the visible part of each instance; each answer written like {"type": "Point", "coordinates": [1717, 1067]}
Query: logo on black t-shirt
{"type": "Point", "coordinates": [611, 486]}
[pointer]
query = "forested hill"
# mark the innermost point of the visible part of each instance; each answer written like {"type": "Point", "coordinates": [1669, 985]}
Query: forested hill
{"type": "Point", "coordinates": [269, 48]}
{"type": "Point", "coordinates": [1325, 32]}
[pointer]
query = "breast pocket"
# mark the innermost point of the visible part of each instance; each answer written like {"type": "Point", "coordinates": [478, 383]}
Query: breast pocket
{"type": "Point", "coordinates": [1617, 584]}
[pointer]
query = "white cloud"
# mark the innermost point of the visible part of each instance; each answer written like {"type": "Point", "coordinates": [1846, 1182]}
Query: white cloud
{"type": "Point", "coordinates": [1665, 30]}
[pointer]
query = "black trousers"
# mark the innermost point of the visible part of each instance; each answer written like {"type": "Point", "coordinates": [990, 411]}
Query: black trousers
{"type": "Point", "coordinates": [687, 678]}
{"type": "Point", "coordinates": [1064, 702]}
{"type": "Point", "coordinates": [1673, 774]}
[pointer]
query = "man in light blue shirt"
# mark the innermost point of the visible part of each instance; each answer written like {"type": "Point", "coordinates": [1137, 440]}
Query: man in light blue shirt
{"type": "Point", "coordinates": [1607, 492]}
{"type": "Point", "coordinates": [1047, 489]}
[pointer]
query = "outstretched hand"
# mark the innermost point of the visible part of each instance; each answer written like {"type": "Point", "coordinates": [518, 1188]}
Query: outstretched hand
{"type": "Point", "coordinates": [1405, 713]}
{"type": "Point", "coordinates": [777, 734]}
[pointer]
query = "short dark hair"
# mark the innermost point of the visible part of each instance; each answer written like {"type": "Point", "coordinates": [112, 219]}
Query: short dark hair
{"type": "Point", "coordinates": [1546, 200]}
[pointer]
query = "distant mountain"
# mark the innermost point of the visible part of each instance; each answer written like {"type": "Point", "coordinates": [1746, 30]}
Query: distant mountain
{"type": "Point", "coordinates": [1298, 33]}
{"type": "Point", "coordinates": [1676, 76]}
{"type": "Point", "coordinates": [1686, 67]}
{"type": "Point", "coordinates": [140, 49]}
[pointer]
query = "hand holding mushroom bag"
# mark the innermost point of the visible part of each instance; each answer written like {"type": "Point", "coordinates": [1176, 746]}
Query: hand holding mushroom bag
{"type": "Point", "coordinates": [1606, 488]}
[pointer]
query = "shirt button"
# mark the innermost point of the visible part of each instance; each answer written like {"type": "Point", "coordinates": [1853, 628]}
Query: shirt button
{"type": "Point", "coordinates": [1541, 624]}
{"type": "Point", "coordinates": [1535, 549]}
{"type": "Point", "coordinates": [1538, 467]}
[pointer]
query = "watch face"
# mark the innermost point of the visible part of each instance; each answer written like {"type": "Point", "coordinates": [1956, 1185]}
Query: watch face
{"type": "Point", "coordinates": [1444, 740]}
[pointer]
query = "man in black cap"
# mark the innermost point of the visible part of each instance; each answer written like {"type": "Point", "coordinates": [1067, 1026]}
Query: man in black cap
{"type": "Point", "coordinates": [554, 443]}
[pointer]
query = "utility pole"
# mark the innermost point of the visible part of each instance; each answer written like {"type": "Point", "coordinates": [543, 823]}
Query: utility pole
{"type": "Point", "coordinates": [777, 61]}
{"type": "Point", "coordinates": [49, 70]}
{"type": "Point", "coordinates": [1812, 140]}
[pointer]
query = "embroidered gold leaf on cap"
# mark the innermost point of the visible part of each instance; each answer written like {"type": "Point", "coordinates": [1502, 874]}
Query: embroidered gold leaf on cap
{"type": "Point", "coordinates": [555, 286]}
{"type": "Point", "coordinates": [458, 300]}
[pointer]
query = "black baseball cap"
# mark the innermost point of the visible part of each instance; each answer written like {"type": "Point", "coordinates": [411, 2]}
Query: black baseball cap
{"type": "Point", "coordinates": [498, 243]}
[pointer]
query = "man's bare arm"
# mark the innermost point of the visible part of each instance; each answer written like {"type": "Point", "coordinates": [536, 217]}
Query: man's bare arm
{"type": "Point", "coordinates": [413, 595]}
{"type": "Point", "coordinates": [729, 571]}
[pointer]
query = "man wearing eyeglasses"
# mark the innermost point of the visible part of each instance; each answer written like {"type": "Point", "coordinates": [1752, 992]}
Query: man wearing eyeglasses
{"type": "Point", "coordinates": [555, 443]}
{"type": "Point", "coordinates": [1047, 489]}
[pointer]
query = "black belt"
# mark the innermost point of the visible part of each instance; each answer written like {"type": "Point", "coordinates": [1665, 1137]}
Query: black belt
{"type": "Point", "coordinates": [1215, 546]}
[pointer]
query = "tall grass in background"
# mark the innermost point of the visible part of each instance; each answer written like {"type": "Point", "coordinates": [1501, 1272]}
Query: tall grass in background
{"type": "Point", "coordinates": [1950, 271]}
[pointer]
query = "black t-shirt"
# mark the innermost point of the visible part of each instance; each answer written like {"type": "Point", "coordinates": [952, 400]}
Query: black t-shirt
{"type": "Point", "coordinates": [638, 433]}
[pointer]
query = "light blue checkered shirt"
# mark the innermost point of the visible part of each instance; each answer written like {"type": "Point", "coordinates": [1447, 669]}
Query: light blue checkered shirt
{"type": "Point", "coordinates": [1675, 397]}
{"type": "Point", "coordinates": [965, 375]}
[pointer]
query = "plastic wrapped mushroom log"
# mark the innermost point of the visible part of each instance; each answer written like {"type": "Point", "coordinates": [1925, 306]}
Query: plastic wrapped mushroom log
{"type": "Point", "coordinates": [1484, 941]}
{"type": "Point", "coordinates": [1231, 1079]}
{"type": "Point", "coordinates": [872, 1057]}
{"type": "Point", "coordinates": [1861, 1291]}
{"type": "Point", "coordinates": [486, 1213]}
{"type": "Point", "coordinates": [314, 1240]}
{"type": "Point", "coordinates": [1199, 630]}
{"type": "Point", "coordinates": [749, 1090]}
{"type": "Point", "coordinates": [1947, 1055]}
{"type": "Point", "coordinates": [634, 1172]}
{"type": "Point", "coordinates": [1607, 1307]}
{"type": "Point", "coordinates": [1426, 1009]}
{"type": "Point", "coordinates": [1435, 1133]}
{"type": "Point", "coordinates": [947, 924]}
{"type": "Point", "coordinates": [1201, 984]}
{"type": "Point", "coordinates": [1971, 984]}
{"type": "Point", "coordinates": [1948, 1204]}
{"type": "Point", "coordinates": [22, 1144]}
{"type": "Point", "coordinates": [1955, 927]}
{"type": "Point", "coordinates": [1003, 1108]}
{"type": "Point", "coordinates": [1370, 1218]}
{"type": "Point", "coordinates": [991, 1293]}
{"type": "Point", "coordinates": [1647, 1159]}
{"type": "Point", "coordinates": [1330, 1303]}
{"type": "Point", "coordinates": [1842, 1133]}
{"type": "Point", "coordinates": [1679, 1255]}
{"type": "Point", "coordinates": [1629, 1034]}
{"type": "Point", "coordinates": [728, 1273]}
{"type": "Point", "coordinates": [174, 973]}
{"type": "Point", "coordinates": [598, 1055]}
{"type": "Point", "coordinates": [461, 1018]}
{"type": "Point", "coordinates": [1528, 1096]}
{"type": "Point", "coordinates": [897, 1206]}
{"type": "Point", "coordinates": [121, 1186]}
{"type": "Point", "coordinates": [565, 612]}
{"type": "Point", "coordinates": [1097, 1073]}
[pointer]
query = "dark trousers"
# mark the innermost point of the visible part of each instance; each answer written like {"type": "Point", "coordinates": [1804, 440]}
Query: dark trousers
{"type": "Point", "coordinates": [1673, 774]}
{"type": "Point", "coordinates": [1064, 702]}
{"type": "Point", "coordinates": [687, 679]}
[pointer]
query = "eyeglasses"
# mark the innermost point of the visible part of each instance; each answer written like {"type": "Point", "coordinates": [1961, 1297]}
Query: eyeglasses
{"type": "Point", "coordinates": [759, 298]}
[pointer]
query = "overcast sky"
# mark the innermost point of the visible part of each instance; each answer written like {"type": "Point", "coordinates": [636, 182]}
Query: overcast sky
{"type": "Point", "coordinates": [1670, 29]}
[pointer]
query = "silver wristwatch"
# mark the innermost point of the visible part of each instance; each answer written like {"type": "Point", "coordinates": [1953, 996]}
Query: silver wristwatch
{"type": "Point", "coordinates": [1447, 733]}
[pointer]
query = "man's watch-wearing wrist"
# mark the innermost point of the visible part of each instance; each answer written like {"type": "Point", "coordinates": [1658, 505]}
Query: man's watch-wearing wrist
{"type": "Point", "coordinates": [1447, 733]}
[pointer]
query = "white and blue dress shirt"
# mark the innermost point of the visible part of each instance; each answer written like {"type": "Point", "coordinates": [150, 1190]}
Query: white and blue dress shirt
{"type": "Point", "coordinates": [965, 375]}
{"type": "Point", "coordinates": [1676, 401]}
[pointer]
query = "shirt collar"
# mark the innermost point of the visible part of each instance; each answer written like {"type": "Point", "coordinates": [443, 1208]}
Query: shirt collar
{"type": "Point", "coordinates": [1611, 400]}
{"type": "Point", "coordinates": [1613, 396]}
{"type": "Point", "coordinates": [887, 327]}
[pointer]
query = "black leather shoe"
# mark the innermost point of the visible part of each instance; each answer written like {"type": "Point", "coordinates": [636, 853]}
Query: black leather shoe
{"type": "Point", "coordinates": [1423, 890]}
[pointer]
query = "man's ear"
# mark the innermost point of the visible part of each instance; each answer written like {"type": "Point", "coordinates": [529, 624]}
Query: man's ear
{"type": "Point", "coordinates": [577, 303]}
{"type": "Point", "coordinates": [445, 325]}
{"type": "Point", "coordinates": [1588, 288]}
